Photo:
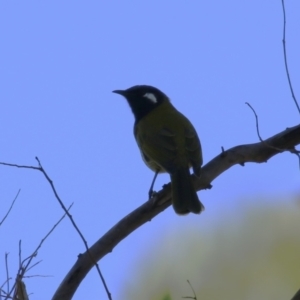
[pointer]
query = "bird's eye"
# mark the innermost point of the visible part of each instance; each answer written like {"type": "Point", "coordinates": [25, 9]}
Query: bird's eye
{"type": "Point", "coordinates": [151, 97]}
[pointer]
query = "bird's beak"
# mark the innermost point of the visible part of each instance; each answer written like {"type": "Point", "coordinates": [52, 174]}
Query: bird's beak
{"type": "Point", "coordinates": [121, 92]}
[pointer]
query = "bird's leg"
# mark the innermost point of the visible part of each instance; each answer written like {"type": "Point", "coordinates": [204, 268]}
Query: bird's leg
{"type": "Point", "coordinates": [152, 185]}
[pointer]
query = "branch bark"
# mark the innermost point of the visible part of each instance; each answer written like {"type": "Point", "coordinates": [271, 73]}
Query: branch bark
{"type": "Point", "coordinates": [297, 296]}
{"type": "Point", "coordinates": [258, 153]}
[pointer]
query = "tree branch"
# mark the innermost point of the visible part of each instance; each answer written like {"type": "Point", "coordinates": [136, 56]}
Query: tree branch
{"type": "Point", "coordinates": [297, 296]}
{"type": "Point", "coordinates": [258, 153]}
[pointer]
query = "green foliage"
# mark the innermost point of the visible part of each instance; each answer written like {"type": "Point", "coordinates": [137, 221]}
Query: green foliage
{"type": "Point", "coordinates": [251, 255]}
{"type": "Point", "coordinates": [166, 297]}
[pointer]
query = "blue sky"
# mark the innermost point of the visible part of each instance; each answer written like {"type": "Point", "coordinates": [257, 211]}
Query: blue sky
{"type": "Point", "coordinates": [59, 62]}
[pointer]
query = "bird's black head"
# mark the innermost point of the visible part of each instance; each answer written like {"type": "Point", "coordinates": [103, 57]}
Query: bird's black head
{"type": "Point", "coordinates": [142, 99]}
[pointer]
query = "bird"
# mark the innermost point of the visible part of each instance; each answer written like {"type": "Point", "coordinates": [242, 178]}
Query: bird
{"type": "Point", "coordinates": [168, 142]}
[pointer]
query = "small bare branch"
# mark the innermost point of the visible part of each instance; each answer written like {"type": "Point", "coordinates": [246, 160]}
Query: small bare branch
{"type": "Point", "coordinates": [4, 294]}
{"type": "Point", "coordinates": [11, 206]}
{"type": "Point", "coordinates": [7, 272]}
{"type": "Point", "coordinates": [3, 284]}
{"type": "Point", "coordinates": [37, 275]}
{"type": "Point", "coordinates": [19, 166]}
{"type": "Point", "coordinates": [256, 119]}
{"type": "Point", "coordinates": [189, 297]}
{"type": "Point", "coordinates": [20, 253]}
{"type": "Point", "coordinates": [25, 265]}
{"type": "Point", "coordinates": [32, 266]}
{"type": "Point", "coordinates": [285, 57]}
{"type": "Point", "coordinates": [293, 151]}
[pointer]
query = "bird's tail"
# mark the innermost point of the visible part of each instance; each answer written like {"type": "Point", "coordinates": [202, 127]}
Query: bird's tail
{"type": "Point", "coordinates": [184, 196]}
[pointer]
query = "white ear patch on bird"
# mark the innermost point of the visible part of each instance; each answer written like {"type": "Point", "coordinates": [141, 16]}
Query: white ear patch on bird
{"type": "Point", "coordinates": [151, 97]}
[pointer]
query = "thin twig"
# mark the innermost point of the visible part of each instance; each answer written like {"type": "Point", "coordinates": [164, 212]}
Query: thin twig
{"type": "Point", "coordinates": [38, 275]}
{"type": "Point", "coordinates": [19, 166]}
{"type": "Point", "coordinates": [256, 118]}
{"type": "Point", "coordinates": [23, 268]}
{"type": "Point", "coordinates": [20, 253]}
{"type": "Point", "coordinates": [285, 57]}
{"type": "Point", "coordinates": [31, 267]}
{"type": "Point", "coordinates": [13, 289]}
{"type": "Point", "coordinates": [3, 284]}
{"type": "Point", "coordinates": [257, 130]}
{"type": "Point", "coordinates": [75, 226]}
{"type": "Point", "coordinates": [292, 150]}
{"type": "Point", "coordinates": [7, 271]}
{"type": "Point", "coordinates": [34, 254]}
{"type": "Point", "coordinates": [11, 206]}
{"type": "Point", "coordinates": [188, 297]}
{"type": "Point", "coordinates": [3, 293]}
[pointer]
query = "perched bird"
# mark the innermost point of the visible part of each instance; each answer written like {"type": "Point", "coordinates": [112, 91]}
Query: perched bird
{"type": "Point", "coordinates": [168, 143]}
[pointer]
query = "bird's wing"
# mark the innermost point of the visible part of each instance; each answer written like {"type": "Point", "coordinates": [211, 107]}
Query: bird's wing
{"type": "Point", "coordinates": [158, 147]}
{"type": "Point", "coordinates": [193, 149]}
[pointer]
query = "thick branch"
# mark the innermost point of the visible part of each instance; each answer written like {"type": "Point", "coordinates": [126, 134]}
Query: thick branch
{"type": "Point", "coordinates": [297, 296]}
{"type": "Point", "coordinates": [258, 152]}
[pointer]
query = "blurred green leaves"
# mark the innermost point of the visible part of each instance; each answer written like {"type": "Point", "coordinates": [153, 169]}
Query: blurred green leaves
{"type": "Point", "coordinates": [252, 255]}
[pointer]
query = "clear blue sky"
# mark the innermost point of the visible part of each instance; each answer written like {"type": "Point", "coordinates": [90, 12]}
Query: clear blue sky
{"type": "Point", "coordinates": [59, 62]}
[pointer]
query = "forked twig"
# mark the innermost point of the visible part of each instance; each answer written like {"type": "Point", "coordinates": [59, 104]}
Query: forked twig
{"type": "Point", "coordinates": [41, 169]}
{"type": "Point", "coordinates": [34, 254]}
{"type": "Point", "coordinates": [24, 265]}
{"type": "Point", "coordinates": [189, 297]}
{"type": "Point", "coordinates": [292, 150]}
